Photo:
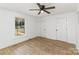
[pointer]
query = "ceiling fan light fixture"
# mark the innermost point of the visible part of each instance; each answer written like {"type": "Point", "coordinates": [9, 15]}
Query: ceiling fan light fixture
{"type": "Point", "coordinates": [42, 11]}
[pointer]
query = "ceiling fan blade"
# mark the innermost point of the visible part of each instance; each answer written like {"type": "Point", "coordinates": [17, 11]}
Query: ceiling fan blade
{"type": "Point", "coordinates": [39, 12]}
{"type": "Point", "coordinates": [34, 9]}
{"type": "Point", "coordinates": [39, 5]}
{"type": "Point", "coordinates": [50, 7]}
{"type": "Point", "coordinates": [46, 11]}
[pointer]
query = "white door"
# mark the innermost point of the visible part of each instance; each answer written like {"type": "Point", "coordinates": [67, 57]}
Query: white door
{"type": "Point", "coordinates": [61, 29]}
{"type": "Point", "coordinates": [49, 28]}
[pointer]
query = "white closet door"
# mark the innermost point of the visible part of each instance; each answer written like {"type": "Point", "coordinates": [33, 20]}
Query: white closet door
{"type": "Point", "coordinates": [61, 29]}
{"type": "Point", "coordinates": [72, 25]}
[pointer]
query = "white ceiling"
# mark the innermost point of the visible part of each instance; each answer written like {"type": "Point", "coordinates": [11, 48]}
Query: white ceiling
{"type": "Point", "coordinates": [24, 8]}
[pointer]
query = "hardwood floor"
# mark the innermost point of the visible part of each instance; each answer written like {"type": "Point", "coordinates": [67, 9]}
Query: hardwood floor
{"type": "Point", "coordinates": [40, 46]}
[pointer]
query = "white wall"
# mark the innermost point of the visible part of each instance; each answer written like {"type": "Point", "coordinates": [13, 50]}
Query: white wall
{"type": "Point", "coordinates": [69, 22]}
{"type": "Point", "coordinates": [37, 26]}
{"type": "Point", "coordinates": [48, 27]}
{"type": "Point", "coordinates": [7, 28]}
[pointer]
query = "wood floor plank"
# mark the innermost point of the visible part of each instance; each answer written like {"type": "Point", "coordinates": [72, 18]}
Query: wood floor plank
{"type": "Point", "coordinates": [40, 46]}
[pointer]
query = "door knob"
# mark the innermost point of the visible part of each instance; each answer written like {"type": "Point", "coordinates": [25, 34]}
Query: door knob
{"type": "Point", "coordinates": [56, 29]}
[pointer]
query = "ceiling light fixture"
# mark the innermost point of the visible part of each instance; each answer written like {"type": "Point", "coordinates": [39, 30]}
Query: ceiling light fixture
{"type": "Point", "coordinates": [42, 11]}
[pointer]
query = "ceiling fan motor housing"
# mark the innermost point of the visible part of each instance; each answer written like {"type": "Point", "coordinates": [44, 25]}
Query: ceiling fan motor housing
{"type": "Point", "coordinates": [42, 7]}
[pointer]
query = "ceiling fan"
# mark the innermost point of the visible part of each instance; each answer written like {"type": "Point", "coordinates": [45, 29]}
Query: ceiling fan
{"type": "Point", "coordinates": [42, 8]}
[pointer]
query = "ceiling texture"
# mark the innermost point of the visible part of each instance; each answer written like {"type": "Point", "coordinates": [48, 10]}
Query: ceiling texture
{"type": "Point", "coordinates": [24, 8]}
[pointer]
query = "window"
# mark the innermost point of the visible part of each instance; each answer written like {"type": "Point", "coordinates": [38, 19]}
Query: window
{"type": "Point", "coordinates": [19, 26]}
